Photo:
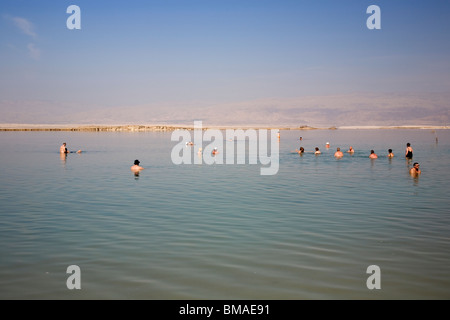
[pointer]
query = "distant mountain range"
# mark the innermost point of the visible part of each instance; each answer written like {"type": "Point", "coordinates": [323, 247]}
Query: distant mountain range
{"type": "Point", "coordinates": [361, 109]}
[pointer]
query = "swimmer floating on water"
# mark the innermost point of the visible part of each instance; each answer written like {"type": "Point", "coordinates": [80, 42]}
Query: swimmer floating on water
{"type": "Point", "coordinates": [63, 149]}
{"type": "Point", "coordinates": [351, 150]}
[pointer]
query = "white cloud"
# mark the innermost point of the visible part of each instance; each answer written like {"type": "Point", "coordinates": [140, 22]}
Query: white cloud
{"type": "Point", "coordinates": [25, 26]}
{"type": "Point", "coordinates": [34, 52]}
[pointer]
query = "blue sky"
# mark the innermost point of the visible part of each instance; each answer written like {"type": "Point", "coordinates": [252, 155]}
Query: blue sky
{"type": "Point", "coordinates": [131, 53]}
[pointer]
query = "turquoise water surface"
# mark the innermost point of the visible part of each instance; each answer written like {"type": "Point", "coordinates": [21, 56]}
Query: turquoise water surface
{"type": "Point", "coordinates": [224, 231]}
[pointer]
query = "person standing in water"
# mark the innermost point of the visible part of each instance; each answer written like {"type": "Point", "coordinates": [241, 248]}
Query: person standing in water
{"type": "Point", "coordinates": [317, 151]}
{"type": "Point", "coordinates": [338, 153]}
{"type": "Point", "coordinates": [136, 167]}
{"type": "Point", "coordinates": [408, 151]}
{"type": "Point", "coordinates": [415, 170]}
{"type": "Point", "coordinates": [390, 154]}
{"type": "Point", "coordinates": [373, 155]}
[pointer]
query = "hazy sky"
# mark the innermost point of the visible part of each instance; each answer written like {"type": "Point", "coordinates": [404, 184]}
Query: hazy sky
{"type": "Point", "coordinates": [131, 53]}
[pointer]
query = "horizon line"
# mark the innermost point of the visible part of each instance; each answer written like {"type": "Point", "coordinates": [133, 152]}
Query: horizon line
{"type": "Point", "coordinates": [172, 127]}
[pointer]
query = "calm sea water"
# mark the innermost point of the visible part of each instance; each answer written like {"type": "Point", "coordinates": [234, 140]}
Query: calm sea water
{"type": "Point", "coordinates": [224, 231]}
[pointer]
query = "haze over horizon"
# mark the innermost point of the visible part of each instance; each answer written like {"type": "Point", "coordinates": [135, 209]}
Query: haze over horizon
{"type": "Point", "coordinates": [257, 62]}
{"type": "Point", "coordinates": [314, 111]}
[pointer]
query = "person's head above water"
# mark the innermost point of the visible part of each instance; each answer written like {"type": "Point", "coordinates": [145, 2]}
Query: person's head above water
{"type": "Point", "coordinates": [136, 162]}
{"type": "Point", "coordinates": [415, 169]}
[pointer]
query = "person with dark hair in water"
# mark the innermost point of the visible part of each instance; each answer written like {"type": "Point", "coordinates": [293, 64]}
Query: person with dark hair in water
{"type": "Point", "coordinates": [415, 170]}
{"type": "Point", "coordinates": [136, 166]}
{"type": "Point", "coordinates": [390, 154]}
{"type": "Point", "coordinates": [373, 155]}
{"type": "Point", "coordinates": [409, 151]}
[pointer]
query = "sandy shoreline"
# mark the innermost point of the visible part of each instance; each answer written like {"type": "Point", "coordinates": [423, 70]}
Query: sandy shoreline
{"type": "Point", "coordinates": [145, 128]}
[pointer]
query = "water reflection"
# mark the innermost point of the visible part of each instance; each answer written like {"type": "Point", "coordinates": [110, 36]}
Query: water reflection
{"type": "Point", "coordinates": [435, 136]}
{"type": "Point", "coordinates": [408, 163]}
{"type": "Point", "coordinates": [63, 157]}
{"type": "Point", "coordinates": [414, 176]}
{"type": "Point", "coordinates": [200, 155]}
{"type": "Point", "coordinates": [390, 163]}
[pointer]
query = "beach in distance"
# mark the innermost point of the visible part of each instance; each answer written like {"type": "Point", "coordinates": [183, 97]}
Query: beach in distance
{"type": "Point", "coordinates": [165, 127]}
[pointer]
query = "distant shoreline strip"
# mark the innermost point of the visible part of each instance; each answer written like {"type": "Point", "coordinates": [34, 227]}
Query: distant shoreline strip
{"type": "Point", "coordinates": [163, 128]}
